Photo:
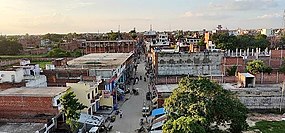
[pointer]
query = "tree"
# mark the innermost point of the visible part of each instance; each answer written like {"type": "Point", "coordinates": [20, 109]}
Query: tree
{"type": "Point", "coordinates": [267, 69]}
{"type": "Point", "coordinates": [231, 71]}
{"type": "Point", "coordinates": [255, 66]}
{"type": "Point", "coordinates": [58, 53]}
{"type": "Point", "coordinates": [133, 34]}
{"type": "Point", "coordinates": [282, 67]}
{"type": "Point", "coordinates": [71, 109]}
{"type": "Point", "coordinates": [200, 106]}
{"type": "Point", "coordinates": [8, 47]}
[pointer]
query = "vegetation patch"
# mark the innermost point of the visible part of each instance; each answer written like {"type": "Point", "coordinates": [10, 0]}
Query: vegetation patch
{"type": "Point", "coordinates": [42, 64]}
{"type": "Point", "coordinates": [270, 126]}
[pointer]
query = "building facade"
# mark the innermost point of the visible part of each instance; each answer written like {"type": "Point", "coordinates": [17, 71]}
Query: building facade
{"type": "Point", "coordinates": [121, 46]}
{"type": "Point", "coordinates": [30, 104]}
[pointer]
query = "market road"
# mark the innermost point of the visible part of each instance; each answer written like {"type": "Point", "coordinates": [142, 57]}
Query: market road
{"type": "Point", "coordinates": [132, 108]}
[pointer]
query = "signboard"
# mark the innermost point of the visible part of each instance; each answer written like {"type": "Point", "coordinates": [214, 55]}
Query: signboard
{"type": "Point", "coordinates": [106, 93]}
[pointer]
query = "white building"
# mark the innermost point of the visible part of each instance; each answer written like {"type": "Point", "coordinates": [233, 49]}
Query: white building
{"type": "Point", "coordinates": [162, 40]}
{"type": "Point", "coordinates": [12, 76]}
{"type": "Point", "coordinates": [26, 72]}
{"type": "Point", "coordinates": [267, 32]}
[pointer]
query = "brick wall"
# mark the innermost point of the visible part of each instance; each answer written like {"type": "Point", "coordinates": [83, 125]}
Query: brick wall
{"type": "Point", "coordinates": [61, 77]}
{"type": "Point", "coordinates": [26, 109]}
{"type": "Point", "coordinates": [277, 53]}
{"type": "Point", "coordinates": [228, 62]}
{"type": "Point", "coordinates": [4, 86]}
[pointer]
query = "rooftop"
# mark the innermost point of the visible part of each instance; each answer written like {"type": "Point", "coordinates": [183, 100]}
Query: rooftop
{"type": "Point", "coordinates": [91, 119]}
{"type": "Point", "coordinates": [100, 60]}
{"type": "Point", "coordinates": [166, 88]}
{"type": "Point", "coordinates": [36, 92]}
{"type": "Point", "coordinates": [247, 75]}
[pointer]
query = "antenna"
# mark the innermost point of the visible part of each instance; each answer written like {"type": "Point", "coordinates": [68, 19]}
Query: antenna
{"type": "Point", "coordinates": [284, 19]}
{"type": "Point", "coordinates": [119, 27]}
{"type": "Point", "coordinates": [119, 37]}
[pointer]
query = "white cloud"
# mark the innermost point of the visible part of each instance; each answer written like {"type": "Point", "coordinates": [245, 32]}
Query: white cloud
{"type": "Point", "coordinates": [205, 15]}
{"type": "Point", "coordinates": [268, 16]}
{"type": "Point", "coordinates": [244, 5]}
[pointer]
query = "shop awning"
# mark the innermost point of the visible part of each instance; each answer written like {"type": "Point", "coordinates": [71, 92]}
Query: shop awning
{"type": "Point", "coordinates": [121, 91]}
{"type": "Point", "coordinates": [154, 100]}
{"type": "Point", "coordinates": [156, 131]}
{"type": "Point", "coordinates": [157, 125]}
{"type": "Point", "coordinates": [158, 111]}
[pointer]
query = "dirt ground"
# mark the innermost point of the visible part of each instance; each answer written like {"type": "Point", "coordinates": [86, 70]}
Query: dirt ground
{"type": "Point", "coordinates": [255, 117]}
{"type": "Point", "coordinates": [20, 127]}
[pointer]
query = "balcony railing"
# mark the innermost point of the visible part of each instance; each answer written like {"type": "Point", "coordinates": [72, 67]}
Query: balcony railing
{"type": "Point", "coordinates": [97, 97]}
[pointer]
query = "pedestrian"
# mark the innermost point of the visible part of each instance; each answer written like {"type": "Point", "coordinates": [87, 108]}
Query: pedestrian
{"type": "Point", "coordinates": [141, 121]}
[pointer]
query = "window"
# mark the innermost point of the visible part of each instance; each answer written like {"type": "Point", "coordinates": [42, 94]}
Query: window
{"type": "Point", "coordinates": [57, 101]}
{"type": "Point", "coordinates": [88, 96]}
{"type": "Point", "coordinates": [13, 78]}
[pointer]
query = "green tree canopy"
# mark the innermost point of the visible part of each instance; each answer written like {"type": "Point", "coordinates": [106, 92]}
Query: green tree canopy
{"type": "Point", "coordinates": [58, 53]}
{"type": "Point", "coordinates": [226, 41]}
{"type": "Point", "coordinates": [9, 47]}
{"type": "Point", "coordinates": [255, 66]}
{"type": "Point", "coordinates": [114, 35]}
{"type": "Point", "coordinates": [53, 37]}
{"type": "Point", "coordinates": [133, 33]}
{"type": "Point", "coordinates": [200, 106]}
{"type": "Point", "coordinates": [232, 70]}
{"type": "Point", "coordinates": [71, 109]}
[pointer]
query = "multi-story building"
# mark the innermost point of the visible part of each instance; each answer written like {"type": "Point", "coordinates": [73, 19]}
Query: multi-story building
{"type": "Point", "coordinates": [70, 46]}
{"type": "Point", "coordinates": [30, 104]}
{"type": "Point", "coordinates": [114, 69]}
{"type": "Point", "coordinates": [88, 94]}
{"type": "Point", "coordinates": [179, 64]}
{"type": "Point", "coordinates": [26, 74]}
{"type": "Point", "coordinates": [30, 41]}
{"type": "Point", "coordinates": [267, 32]}
{"type": "Point", "coordinates": [121, 46]}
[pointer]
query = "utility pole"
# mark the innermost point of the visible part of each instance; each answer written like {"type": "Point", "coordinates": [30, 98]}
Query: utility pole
{"type": "Point", "coordinates": [282, 92]}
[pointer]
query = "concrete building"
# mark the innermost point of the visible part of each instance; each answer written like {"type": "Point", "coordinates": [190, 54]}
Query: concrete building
{"type": "Point", "coordinates": [114, 69]}
{"type": "Point", "coordinates": [261, 97]}
{"type": "Point", "coordinates": [121, 46]}
{"type": "Point", "coordinates": [267, 32]}
{"type": "Point", "coordinates": [163, 92]}
{"type": "Point", "coordinates": [70, 46]}
{"type": "Point", "coordinates": [29, 41]}
{"type": "Point", "coordinates": [30, 104]}
{"type": "Point", "coordinates": [26, 74]}
{"type": "Point", "coordinates": [12, 76]}
{"type": "Point", "coordinates": [89, 95]}
{"type": "Point", "coordinates": [182, 64]}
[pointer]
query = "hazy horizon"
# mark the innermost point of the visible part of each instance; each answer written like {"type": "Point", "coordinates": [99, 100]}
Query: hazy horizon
{"type": "Point", "coordinates": [90, 16]}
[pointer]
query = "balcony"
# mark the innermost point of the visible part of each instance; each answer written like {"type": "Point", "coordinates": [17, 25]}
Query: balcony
{"type": "Point", "coordinates": [96, 98]}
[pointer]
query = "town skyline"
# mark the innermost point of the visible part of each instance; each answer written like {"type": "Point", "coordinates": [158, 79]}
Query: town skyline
{"type": "Point", "coordinates": [39, 17]}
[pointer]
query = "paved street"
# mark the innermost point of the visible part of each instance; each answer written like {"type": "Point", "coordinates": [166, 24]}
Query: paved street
{"type": "Point", "coordinates": [132, 108]}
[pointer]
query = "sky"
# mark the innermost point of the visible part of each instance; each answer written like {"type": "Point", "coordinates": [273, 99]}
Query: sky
{"type": "Point", "coordinates": [65, 16]}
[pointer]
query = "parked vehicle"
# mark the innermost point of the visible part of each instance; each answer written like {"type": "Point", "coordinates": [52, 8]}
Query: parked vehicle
{"type": "Point", "coordinates": [148, 96]}
{"type": "Point", "coordinates": [136, 91]}
{"type": "Point", "coordinates": [145, 111]}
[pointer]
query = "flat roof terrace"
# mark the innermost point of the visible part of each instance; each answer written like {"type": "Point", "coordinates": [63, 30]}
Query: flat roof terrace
{"type": "Point", "coordinates": [34, 92]}
{"type": "Point", "coordinates": [100, 60]}
{"type": "Point", "coordinates": [167, 88]}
